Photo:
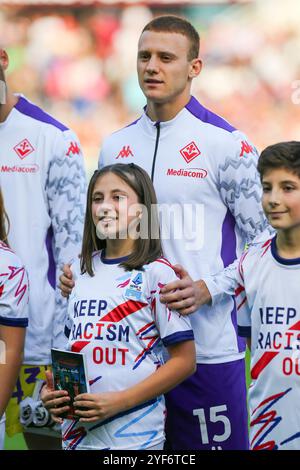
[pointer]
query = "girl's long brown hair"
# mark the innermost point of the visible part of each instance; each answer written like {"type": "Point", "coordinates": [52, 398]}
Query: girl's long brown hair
{"type": "Point", "coordinates": [146, 249]}
{"type": "Point", "coordinates": [4, 221]}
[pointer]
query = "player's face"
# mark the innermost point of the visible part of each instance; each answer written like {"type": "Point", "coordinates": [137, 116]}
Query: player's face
{"type": "Point", "coordinates": [281, 198]}
{"type": "Point", "coordinates": [115, 207]}
{"type": "Point", "coordinates": [164, 71]}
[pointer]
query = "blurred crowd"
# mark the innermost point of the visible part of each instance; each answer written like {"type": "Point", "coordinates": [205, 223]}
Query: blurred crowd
{"type": "Point", "coordinates": [79, 64]}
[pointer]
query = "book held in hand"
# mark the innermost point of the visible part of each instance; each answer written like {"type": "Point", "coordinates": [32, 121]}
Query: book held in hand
{"type": "Point", "coordinates": [69, 374]}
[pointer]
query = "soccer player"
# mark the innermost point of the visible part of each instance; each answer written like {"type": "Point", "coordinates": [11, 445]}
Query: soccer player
{"type": "Point", "coordinates": [118, 321]}
{"type": "Point", "coordinates": [43, 184]}
{"type": "Point", "coordinates": [269, 305]}
{"type": "Point", "coordinates": [208, 188]}
{"type": "Point", "coordinates": [13, 318]}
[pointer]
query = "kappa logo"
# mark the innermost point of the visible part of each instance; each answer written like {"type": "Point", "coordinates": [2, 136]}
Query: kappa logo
{"type": "Point", "coordinates": [23, 148]}
{"type": "Point", "coordinates": [73, 149]}
{"type": "Point", "coordinates": [125, 152]}
{"type": "Point", "coordinates": [190, 152]}
{"type": "Point", "coordinates": [245, 148]}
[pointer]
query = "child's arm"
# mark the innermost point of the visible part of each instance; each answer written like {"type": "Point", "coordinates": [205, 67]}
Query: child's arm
{"type": "Point", "coordinates": [100, 406]}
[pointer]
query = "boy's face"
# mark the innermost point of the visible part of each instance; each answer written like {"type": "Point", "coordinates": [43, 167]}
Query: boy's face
{"type": "Point", "coordinates": [281, 198]}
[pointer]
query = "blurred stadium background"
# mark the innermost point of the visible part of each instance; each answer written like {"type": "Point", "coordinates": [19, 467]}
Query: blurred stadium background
{"type": "Point", "coordinates": [77, 60]}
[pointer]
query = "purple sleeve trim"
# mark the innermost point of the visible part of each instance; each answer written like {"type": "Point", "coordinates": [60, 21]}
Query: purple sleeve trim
{"type": "Point", "coordinates": [205, 115]}
{"type": "Point", "coordinates": [33, 111]}
{"type": "Point", "coordinates": [134, 122]}
{"type": "Point", "coordinates": [20, 322]}
{"type": "Point", "coordinates": [51, 274]}
{"type": "Point", "coordinates": [178, 337]}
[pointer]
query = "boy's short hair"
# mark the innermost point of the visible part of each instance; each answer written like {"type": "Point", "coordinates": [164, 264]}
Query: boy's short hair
{"type": "Point", "coordinates": [282, 155]}
{"type": "Point", "coordinates": [175, 24]}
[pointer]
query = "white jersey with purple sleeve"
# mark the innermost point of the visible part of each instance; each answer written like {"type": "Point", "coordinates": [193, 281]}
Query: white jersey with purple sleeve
{"type": "Point", "coordinates": [117, 320]}
{"type": "Point", "coordinates": [208, 190]}
{"type": "Point", "coordinates": [43, 183]}
{"type": "Point", "coordinates": [269, 313]}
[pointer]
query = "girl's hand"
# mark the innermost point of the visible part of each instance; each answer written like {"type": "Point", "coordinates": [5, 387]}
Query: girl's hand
{"type": "Point", "coordinates": [99, 406]}
{"type": "Point", "coordinates": [54, 400]}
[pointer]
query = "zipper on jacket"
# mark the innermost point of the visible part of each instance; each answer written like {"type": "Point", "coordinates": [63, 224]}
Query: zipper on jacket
{"type": "Point", "coordinates": [157, 125]}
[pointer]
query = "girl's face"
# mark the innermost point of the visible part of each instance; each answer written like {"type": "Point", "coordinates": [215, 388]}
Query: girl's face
{"type": "Point", "coordinates": [115, 208]}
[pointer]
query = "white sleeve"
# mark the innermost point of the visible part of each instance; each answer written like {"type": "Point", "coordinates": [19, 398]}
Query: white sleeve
{"type": "Point", "coordinates": [66, 193]}
{"type": "Point", "coordinates": [14, 291]}
{"type": "Point", "coordinates": [223, 282]}
{"type": "Point", "coordinates": [240, 187]}
{"type": "Point", "coordinates": [173, 327]}
{"type": "Point", "coordinates": [226, 280]}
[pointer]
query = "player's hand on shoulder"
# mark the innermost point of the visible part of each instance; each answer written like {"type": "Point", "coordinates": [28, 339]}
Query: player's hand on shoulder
{"type": "Point", "coordinates": [184, 294]}
{"type": "Point", "coordinates": [66, 281]}
{"type": "Point", "coordinates": [179, 294]}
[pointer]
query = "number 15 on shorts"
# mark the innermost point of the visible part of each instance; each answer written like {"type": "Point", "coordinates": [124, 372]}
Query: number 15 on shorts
{"type": "Point", "coordinates": [207, 421]}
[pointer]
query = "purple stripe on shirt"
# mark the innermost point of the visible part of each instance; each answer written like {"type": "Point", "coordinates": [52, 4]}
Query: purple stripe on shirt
{"type": "Point", "coordinates": [51, 274]}
{"type": "Point", "coordinates": [228, 255]}
{"type": "Point", "coordinates": [228, 247]}
{"type": "Point", "coordinates": [29, 109]}
{"type": "Point", "coordinates": [205, 115]}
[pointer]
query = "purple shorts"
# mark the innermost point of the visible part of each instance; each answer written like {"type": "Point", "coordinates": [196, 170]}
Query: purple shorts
{"type": "Point", "coordinates": [208, 411]}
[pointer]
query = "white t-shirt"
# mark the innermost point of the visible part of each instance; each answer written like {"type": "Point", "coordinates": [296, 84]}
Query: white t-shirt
{"type": "Point", "coordinates": [208, 190]}
{"type": "Point", "coordinates": [13, 301]}
{"type": "Point", "coordinates": [42, 179]}
{"type": "Point", "coordinates": [14, 289]}
{"type": "Point", "coordinates": [268, 305]}
{"type": "Point", "coordinates": [117, 320]}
